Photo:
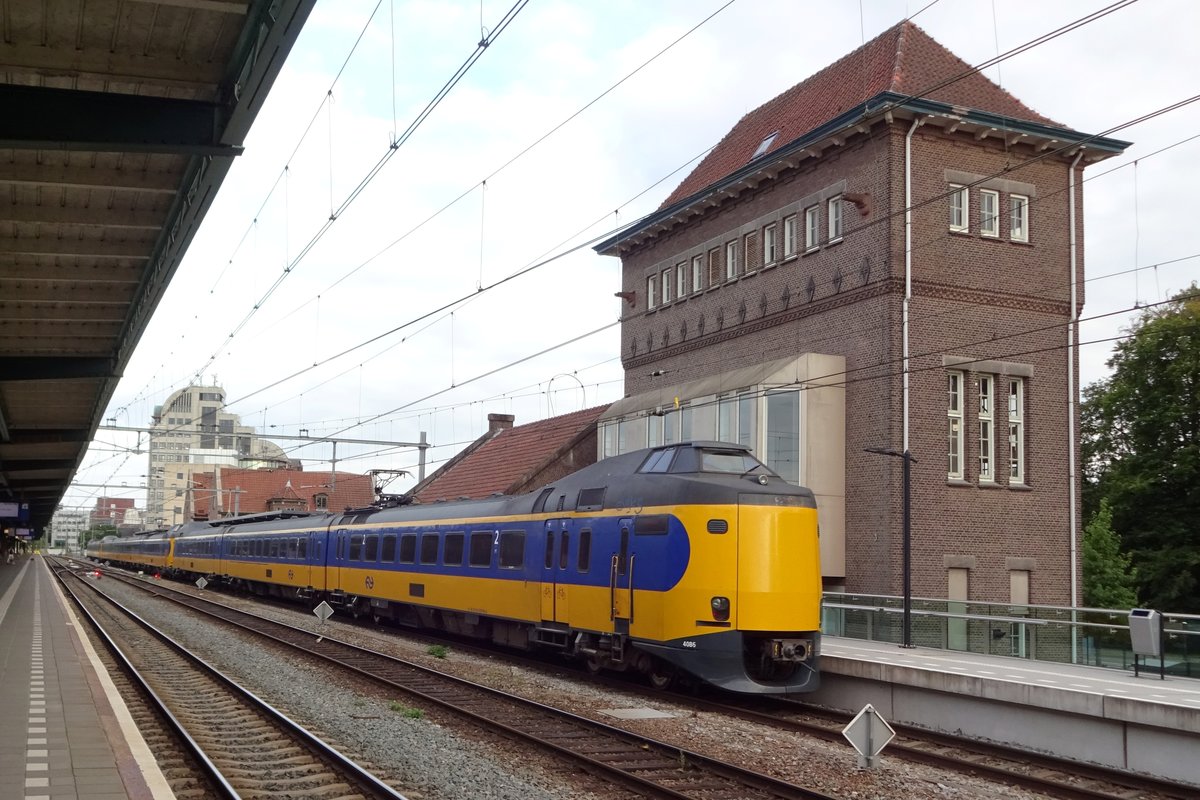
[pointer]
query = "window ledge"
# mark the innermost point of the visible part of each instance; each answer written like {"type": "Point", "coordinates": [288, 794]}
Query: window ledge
{"type": "Point", "coordinates": [792, 257]}
{"type": "Point", "coordinates": [750, 274]}
{"type": "Point", "coordinates": [772, 265]}
{"type": "Point", "coordinates": [1020, 487]}
{"type": "Point", "coordinates": [987, 237]}
{"type": "Point", "coordinates": [713, 288]}
{"type": "Point", "coordinates": [961, 231]}
{"type": "Point", "coordinates": [810, 251]}
{"type": "Point", "coordinates": [833, 242]}
{"type": "Point", "coordinates": [960, 483]}
{"type": "Point", "coordinates": [986, 484]}
{"type": "Point", "coordinates": [1023, 242]}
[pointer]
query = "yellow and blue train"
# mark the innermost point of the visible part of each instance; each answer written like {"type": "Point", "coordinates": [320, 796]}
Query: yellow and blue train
{"type": "Point", "coordinates": [691, 559]}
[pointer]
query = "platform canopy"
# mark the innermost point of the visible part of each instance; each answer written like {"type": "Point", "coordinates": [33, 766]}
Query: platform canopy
{"type": "Point", "coordinates": [118, 122]}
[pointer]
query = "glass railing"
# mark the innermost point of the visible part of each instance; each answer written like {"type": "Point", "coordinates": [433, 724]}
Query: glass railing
{"type": "Point", "coordinates": [1087, 636]}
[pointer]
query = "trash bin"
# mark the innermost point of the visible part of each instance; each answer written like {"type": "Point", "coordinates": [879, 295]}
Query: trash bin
{"type": "Point", "coordinates": [1145, 636]}
{"type": "Point", "coordinates": [1145, 626]}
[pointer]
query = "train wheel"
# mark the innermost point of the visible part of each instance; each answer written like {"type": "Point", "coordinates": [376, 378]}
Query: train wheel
{"type": "Point", "coordinates": [661, 675]}
{"type": "Point", "coordinates": [593, 664]}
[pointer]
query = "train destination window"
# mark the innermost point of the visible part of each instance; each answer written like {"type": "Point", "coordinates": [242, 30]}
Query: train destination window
{"type": "Point", "coordinates": [356, 541]}
{"type": "Point", "coordinates": [512, 549]}
{"type": "Point", "coordinates": [481, 549]}
{"type": "Point", "coordinates": [452, 553]}
{"type": "Point", "coordinates": [388, 555]}
{"type": "Point", "coordinates": [372, 548]}
{"type": "Point", "coordinates": [408, 548]}
{"type": "Point", "coordinates": [563, 550]}
{"type": "Point", "coordinates": [429, 548]}
{"type": "Point", "coordinates": [651, 525]}
{"type": "Point", "coordinates": [549, 549]}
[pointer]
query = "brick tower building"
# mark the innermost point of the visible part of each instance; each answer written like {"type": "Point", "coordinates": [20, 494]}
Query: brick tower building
{"type": "Point", "coordinates": [888, 255]}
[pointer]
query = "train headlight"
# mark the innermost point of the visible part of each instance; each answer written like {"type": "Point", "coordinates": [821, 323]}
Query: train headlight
{"type": "Point", "coordinates": [720, 608]}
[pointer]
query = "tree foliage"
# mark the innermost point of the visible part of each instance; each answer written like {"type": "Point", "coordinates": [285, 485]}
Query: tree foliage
{"type": "Point", "coordinates": [1108, 575]}
{"type": "Point", "coordinates": [1141, 451]}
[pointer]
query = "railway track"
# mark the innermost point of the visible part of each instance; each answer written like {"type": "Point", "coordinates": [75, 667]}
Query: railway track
{"type": "Point", "coordinates": [1043, 774]}
{"type": "Point", "coordinates": [240, 745]}
{"type": "Point", "coordinates": [612, 756]}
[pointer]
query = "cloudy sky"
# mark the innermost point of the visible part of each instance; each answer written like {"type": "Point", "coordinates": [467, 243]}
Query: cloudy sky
{"type": "Point", "coordinates": [272, 295]}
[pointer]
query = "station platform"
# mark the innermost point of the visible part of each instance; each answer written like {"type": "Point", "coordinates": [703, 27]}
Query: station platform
{"type": "Point", "coordinates": [65, 733]}
{"type": "Point", "coordinates": [1100, 716]}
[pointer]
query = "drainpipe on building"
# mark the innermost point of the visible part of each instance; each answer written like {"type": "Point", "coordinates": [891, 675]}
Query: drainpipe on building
{"type": "Point", "coordinates": [1072, 360]}
{"type": "Point", "coordinates": [907, 260]}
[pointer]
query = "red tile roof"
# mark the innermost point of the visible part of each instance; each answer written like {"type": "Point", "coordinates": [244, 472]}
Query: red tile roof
{"type": "Point", "coordinates": [260, 486]}
{"type": "Point", "coordinates": [903, 59]}
{"type": "Point", "coordinates": [501, 463]}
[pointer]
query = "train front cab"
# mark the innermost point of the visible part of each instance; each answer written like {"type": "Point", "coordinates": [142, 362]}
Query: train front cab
{"type": "Point", "coordinates": [745, 616]}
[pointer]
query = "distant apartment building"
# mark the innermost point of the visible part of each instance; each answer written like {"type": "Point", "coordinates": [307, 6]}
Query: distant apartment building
{"type": "Point", "coordinates": [66, 527]}
{"type": "Point", "coordinates": [109, 511]}
{"type": "Point", "coordinates": [191, 433]}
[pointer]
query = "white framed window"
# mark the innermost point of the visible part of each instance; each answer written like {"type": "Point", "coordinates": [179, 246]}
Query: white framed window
{"type": "Point", "coordinates": [654, 430]}
{"type": "Point", "coordinates": [681, 279]}
{"type": "Point", "coordinates": [812, 227]}
{"type": "Point", "coordinates": [730, 260]}
{"type": "Point", "coordinates": [1018, 218]}
{"type": "Point", "coordinates": [989, 212]}
{"type": "Point", "coordinates": [789, 236]}
{"type": "Point", "coordinates": [768, 245]}
{"type": "Point", "coordinates": [987, 434]}
{"type": "Point", "coordinates": [697, 273]}
{"type": "Point", "coordinates": [651, 292]}
{"type": "Point", "coordinates": [835, 218]}
{"type": "Point", "coordinates": [959, 203]}
{"type": "Point", "coordinates": [1016, 430]}
{"type": "Point", "coordinates": [954, 425]}
{"type": "Point", "coordinates": [666, 286]}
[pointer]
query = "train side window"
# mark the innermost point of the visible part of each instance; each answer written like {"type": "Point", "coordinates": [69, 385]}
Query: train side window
{"type": "Point", "coordinates": [273, 552]}
{"type": "Point", "coordinates": [563, 550]}
{"type": "Point", "coordinates": [372, 554]}
{"type": "Point", "coordinates": [303, 549]}
{"type": "Point", "coordinates": [481, 549]}
{"type": "Point", "coordinates": [293, 548]}
{"type": "Point", "coordinates": [623, 556]}
{"type": "Point", "coordinates": [389, 549]}
{"type": "Point", "coordinates": [408, 548]}
{"type": "Point", "coordinates": [452, 552]}
{"type": "Point", "coordinates": [512, 549]}
{"type": "Point", "coordinates": [341, 536]}
{"type": "Point", "coordinates": [549, 549]}
{"type": "Point", "coordinates": [429, 548]}
{"type": "Point", "coordinates": [356, 541]}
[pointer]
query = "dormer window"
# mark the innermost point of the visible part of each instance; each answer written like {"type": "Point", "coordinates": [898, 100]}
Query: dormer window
{"type": "Point", "coordinates": [765, 146]}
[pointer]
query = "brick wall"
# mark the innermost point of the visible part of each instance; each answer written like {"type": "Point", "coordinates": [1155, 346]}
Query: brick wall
{"type": "Point", "coordinates": [971, 294]}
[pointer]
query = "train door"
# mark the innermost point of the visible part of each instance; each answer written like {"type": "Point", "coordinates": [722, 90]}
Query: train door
{"type": "Point", "coordinates": [620, 580]}
{"type": "Point", "coordinates": [316, 556]}
{"type": "Point", "coordinates": [554, 565]}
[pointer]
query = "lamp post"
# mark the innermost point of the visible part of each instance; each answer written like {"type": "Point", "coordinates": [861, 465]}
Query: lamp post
{"type": "Point", "coordinates": [906, 636]}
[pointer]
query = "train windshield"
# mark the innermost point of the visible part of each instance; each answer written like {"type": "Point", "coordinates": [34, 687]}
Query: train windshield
{"type": "Point", "coordinates": [737, 462]}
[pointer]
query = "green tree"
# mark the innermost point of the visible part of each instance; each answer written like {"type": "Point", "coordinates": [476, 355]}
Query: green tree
{"type": "Point", "coordinates": [1141, 451]}
{"type": "Point", "coordinates": [1108, 576]}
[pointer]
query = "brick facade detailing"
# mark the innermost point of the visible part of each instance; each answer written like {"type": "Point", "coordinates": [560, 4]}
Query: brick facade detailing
{"type": "Point", "coordinates": [975, 299]}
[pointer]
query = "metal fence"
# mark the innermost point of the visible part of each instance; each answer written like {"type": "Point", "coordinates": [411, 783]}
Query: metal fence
{"type": "Point", "coordinates": [1087, 636]}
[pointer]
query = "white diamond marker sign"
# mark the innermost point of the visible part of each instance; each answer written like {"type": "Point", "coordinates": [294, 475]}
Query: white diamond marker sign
{"type": "Point", "coordinates": [869, 733]}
